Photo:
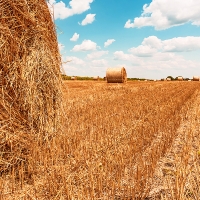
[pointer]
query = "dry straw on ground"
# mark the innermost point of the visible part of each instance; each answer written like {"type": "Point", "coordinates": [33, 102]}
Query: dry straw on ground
{"type": "Point", "coordinates": [30, 95]}
{"type": "Point", "coordinates": [116, 75]}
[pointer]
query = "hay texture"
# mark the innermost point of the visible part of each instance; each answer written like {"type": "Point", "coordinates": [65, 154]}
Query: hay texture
{"type": "Point", "coordinates": [116, 75]}
{"type": "Point", "coordinates": [195, 78]}
{"type": "Point", "coordinates": [1, 79]}
{"type": "Point", "coordinates": [30, 88]}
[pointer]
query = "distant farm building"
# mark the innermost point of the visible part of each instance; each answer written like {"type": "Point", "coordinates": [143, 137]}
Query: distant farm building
{"type": "Point", "coordinates": [195, 78]}
{"type": "Point", "coordinates": [180, 78]}
{"type": "Point", "coordinates": [73, 78]}
{"type": "Point", "coordinates": [96, 78]}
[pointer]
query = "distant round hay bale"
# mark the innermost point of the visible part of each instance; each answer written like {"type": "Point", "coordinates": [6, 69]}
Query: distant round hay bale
{"type": "Point", "coordinates": [104, 78]}
{"type": "Point", "coordinates": [116, 75]}
{"type": "Point", "coordinates": [162, 79]}
{"type": "Point", "coordinates": [96, 78]}
{"type": "Point", "coordinates": [195, 78]}
{"type": "Point", "coordinates": [168, 79]}
{"type": "Point", "coordinates": [180, 78]}
{"type": "Point", "coordinates": [30, 98]}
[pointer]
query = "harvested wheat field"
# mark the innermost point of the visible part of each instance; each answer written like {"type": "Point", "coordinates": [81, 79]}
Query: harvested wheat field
{"type": "Point", "coordinates": [138, 140]}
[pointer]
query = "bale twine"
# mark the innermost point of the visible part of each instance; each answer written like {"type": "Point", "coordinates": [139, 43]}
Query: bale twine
{"type": "Point", "coordinates": [180, 78]}
{"type": "Point", "coordinates": [116, 75]}
{"type": "Point", "coordinates": [96, 78]}
{"type": "Point", "coordinates": [195, 78]}
{"type": "Point", "coordinates": [30, 94]}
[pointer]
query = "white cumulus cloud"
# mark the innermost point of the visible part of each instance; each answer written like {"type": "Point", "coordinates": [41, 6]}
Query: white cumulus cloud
{"type": "Point", "coordinates": [128, 58]}
{"type": "Point", "coordinates": [108, 42]}
{"type": "Point", "coordinates": [75, 37]}
{"type": "Point", "coordinates": [86, 45]}
{"type": "Point", "coordinates": [99, 63]}
{"type": "Point", "coordinates": [74, 61]}
{"type": "Point", "coordinates": [163, 14]}
{"type": "Point", "coordinates": [158, 61]}
{"type": "Point", "coordinates": [143, 51]}
{"type": "Point", "coordinates": [182, 44]}
{"type": "Point", "coordinates": [160, 54]}
{"type": "Point", "coordinates": [62, 11]}
{"type": "Point", "coordinates": [153, 42]}
{"type": "Point", "coordinates": [152, 45]}
{"type": "Point", "coordinates": [120, 55]}
{"type": "Point", "coordinates": [88, 19]}
{"type": "Point", "coordinates": [97, 54]}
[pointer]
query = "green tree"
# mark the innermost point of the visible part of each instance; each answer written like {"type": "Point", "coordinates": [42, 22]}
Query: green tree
{"type": "Point", "coordinates": [172, 78]}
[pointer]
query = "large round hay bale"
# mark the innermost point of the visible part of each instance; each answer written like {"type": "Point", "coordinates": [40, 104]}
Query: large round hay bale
{"type": "Point", "coordinates": [30, 94]}
{"type": "Point", "coordinates": [116, 75]}
{"type": "Point", "coordinates": [195, 78]}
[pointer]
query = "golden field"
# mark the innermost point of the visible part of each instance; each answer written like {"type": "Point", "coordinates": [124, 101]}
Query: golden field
{"type": "Point", "coordinates": [138, 140]}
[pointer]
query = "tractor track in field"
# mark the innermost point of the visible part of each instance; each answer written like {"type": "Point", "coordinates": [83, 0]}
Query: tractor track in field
{"type": "Point", "coordinates": [176, 173]}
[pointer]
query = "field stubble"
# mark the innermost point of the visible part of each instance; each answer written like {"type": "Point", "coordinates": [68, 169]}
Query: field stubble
{"type": "Point", "coordinates": [114, 140]}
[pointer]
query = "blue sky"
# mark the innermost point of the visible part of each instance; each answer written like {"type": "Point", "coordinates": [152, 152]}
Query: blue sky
{"type": "Point", "coordinates": [151, 39]}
